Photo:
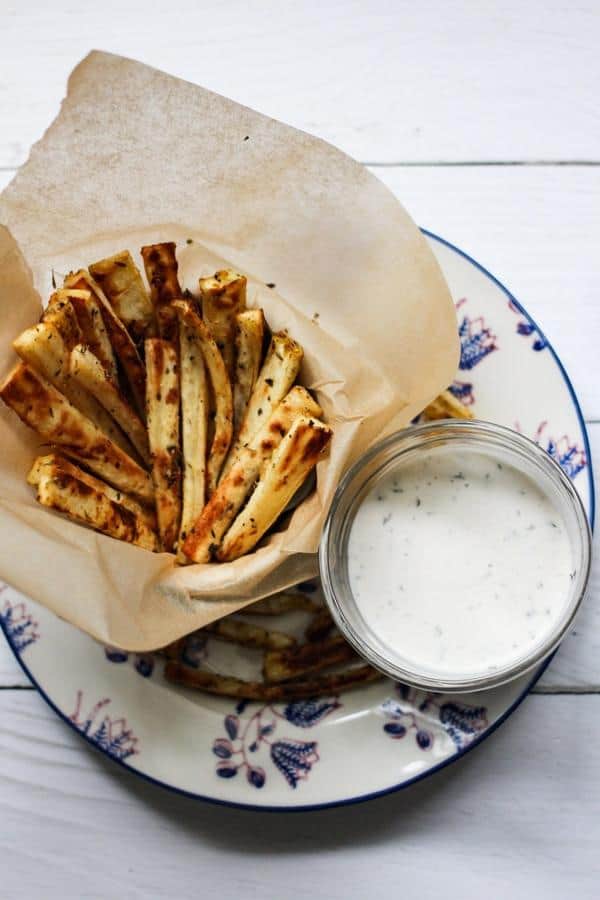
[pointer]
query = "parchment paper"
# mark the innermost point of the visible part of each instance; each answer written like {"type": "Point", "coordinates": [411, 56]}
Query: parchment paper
{"type": "Point", "coordinates": [137, 156]}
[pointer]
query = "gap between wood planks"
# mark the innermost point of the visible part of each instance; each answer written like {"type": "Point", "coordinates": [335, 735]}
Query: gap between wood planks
{"type": "Point", "coordinates": [546, 163]}
{"type": "Point", "coordinates": [478, 163]}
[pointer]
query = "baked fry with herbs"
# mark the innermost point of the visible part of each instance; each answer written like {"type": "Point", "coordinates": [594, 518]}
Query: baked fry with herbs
{"type": "Point", "coordinates": [165, 422]}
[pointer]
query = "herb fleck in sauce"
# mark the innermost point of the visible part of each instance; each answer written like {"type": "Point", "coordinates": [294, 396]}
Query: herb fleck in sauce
{"type": "Point", "coordinates": [459, 581]}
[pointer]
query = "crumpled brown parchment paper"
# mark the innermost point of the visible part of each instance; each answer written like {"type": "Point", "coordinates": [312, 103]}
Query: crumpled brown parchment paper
{"type": "Point", "coordinates": [134, 157]}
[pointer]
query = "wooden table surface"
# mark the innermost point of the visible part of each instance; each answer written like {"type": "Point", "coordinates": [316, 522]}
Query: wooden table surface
{"type": "Point", "coordinates": [484, 119]}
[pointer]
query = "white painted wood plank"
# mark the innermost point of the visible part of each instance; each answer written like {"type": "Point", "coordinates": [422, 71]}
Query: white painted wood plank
{"type": "Point", "coordinates": [385, 81]}
{"type": "Point", "coordinates": [517, 817]}
{"type": "Point", "coordinates": [11, 674]}
{"type": "Point", "coordinates": [536, 229]}
{"type": "Point", "coordinates": [5, 176]}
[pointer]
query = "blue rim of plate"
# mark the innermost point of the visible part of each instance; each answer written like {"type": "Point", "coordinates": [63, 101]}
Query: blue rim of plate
{"type": "Point", "coordinates": [312, 807]}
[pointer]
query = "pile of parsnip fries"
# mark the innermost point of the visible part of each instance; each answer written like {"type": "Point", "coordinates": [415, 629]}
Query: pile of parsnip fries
{"type": "Point", "coordinates": [169, 425]}
{"type": "Point", "coordinates": [291, 669]}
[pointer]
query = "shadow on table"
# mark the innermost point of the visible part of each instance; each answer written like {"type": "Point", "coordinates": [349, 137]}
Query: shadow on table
{"type": "Point", "coordinates": [405, 813]}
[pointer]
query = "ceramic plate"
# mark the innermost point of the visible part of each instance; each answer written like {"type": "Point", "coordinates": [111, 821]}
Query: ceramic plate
{"type": "Point", "coordinates": [336, 749]}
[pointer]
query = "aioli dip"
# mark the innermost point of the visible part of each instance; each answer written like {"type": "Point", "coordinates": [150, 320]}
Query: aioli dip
{"type": "Point", "coordinates": [459, 563]}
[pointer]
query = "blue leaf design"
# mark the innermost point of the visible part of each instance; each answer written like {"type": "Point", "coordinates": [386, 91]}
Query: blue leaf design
{"type": "Point", "coordinates": [232, 724]}
{"type": "Point", "coordinates": [114, 655]}
{"type": "Point", "coordinates": [225, 771]}
{"type": "Point", "coordinates": [306, 713]}
{"type": "Point", "coordinates": [253, 747]}
{"type": "Point", "coordinates": [294, 759]}
{"type": "Point", "coordinates": [540, 344]}
{"type": "Point", "coordinates": [100, 736]}
{"type": "Point", "coordinates": [256, 777]}
{"type": "Point", "coordinates": [424, 739]}
{"type": "Point", "coordinates": [462, 390]}
{"type": "Point", "coordinates": [463, 722]}
{"type": "Point", "coordinates": [222, 748]}
{"type": "Point", "coordinates": [19, 626]}
{"type": "Point", "coordinates": [403, 690]}
{"type": "Point", "coordinates": [125, 754]}
{"type": "Point", "coordinates": [474, 345]}
{"type": "Point", "coordinates": [116, 745]}
{"type": "Point", "coordinates": [395, 729]}
{"type": "Point", "coordinates": [21, 642]}
{"type": "Point", "coordinates": [525, 328]}
{"type": "Point", "coordinates": [267, 729]}
{"type": "Point", "coordinates": [19, 630]}
{"type": "Point", "coordinates": [194, 650]}
{"type": "Point", "coordinates": [145, 665]}
{"type": "Point", "coordinates": [241, 706]}
{"type": "Point", "coordinates": [392, 708]}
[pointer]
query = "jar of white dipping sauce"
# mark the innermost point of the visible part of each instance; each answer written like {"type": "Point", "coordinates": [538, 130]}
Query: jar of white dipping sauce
{"type": "Point", "coordinates": [455, 555]}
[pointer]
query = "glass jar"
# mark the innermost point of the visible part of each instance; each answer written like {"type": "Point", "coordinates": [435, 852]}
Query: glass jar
{"type": "Point", "coordinates": [396, 454]}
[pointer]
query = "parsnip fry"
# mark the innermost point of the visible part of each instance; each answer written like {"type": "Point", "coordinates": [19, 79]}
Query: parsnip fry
{"type": "Point", "coordinates": [250, 330]}
{"type": "Point", "coordinates": [53, 464]}
{"type": "Point", "coordinates": [87, 371]}
{"type": "Point", "coordinates": [223, 296]}
{"type": "Point", "coordinates": [319, 626]}
{"type": "Point", "coordinates": [39, 405]}
{"type": "Point", "coordinates": [221, 389]}
{"type": "Point", "coordinates": [160, 264]}
{"type": "Point", "coordinates": [89, 506]}
{"type": "Point", "coordinates": [276, 377]}
{"type": "Point", "coordinates": [42, 347]}
{"type": "Point", "coordinates": [280, 603]}
{"type": "Point", "coordinates": [215, 518]}
{"type": "Point", "coordinates": [292, 461]}
{"type": "Point", "coordinates": [93, 330]}
{"type": "Point", "coordinates": [174, 650]}
{"type": "Point", "coordinates": [120, 279]}
{"type": "Point", "coordinates": [446, 406]}
{"type": "Point", "coordinates": [224, 686]}
{"type": "Point", "coordinates": [61, 315]}
{"type": "Point", "coordinates": [247, 635]}
{"type": "Point", "coordinates": [208, 452]}
{"type": "Point", "coordinates": [194, 419]}
{"type": "Point", "coordinates": [162, 409]}
{"type": "Point", "coordinates": [282, 665]}
{"type": "Point", "coordinates": [121, 341]}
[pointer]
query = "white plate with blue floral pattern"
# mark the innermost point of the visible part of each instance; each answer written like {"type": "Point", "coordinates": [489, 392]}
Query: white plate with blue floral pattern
{"type": "Point", "coordinates": [331, 750]}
